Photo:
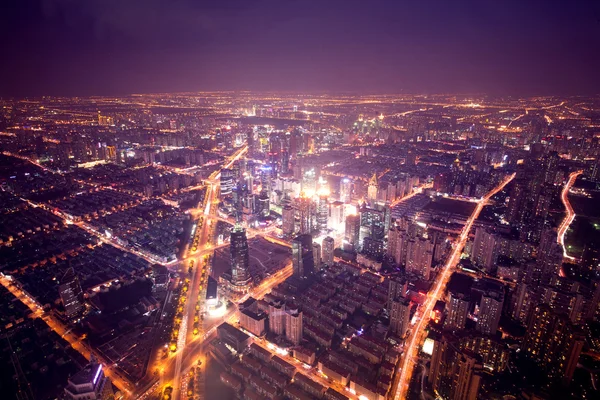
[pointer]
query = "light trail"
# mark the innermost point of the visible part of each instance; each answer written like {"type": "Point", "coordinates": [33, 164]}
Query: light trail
{"type": "Point", "coordinates": [432, 297]}
{"type": "Point", "coordinates": [566, 222]}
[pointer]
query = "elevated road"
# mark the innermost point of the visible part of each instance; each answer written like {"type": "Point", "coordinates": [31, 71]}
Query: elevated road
{"type": "Point", "coordinates": [570, 216]}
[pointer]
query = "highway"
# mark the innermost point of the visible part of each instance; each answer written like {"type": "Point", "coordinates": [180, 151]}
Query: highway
{"type": "Point", "coordinates": [566, 222]}
{"type": "Point", "coordinates": [417, 334]}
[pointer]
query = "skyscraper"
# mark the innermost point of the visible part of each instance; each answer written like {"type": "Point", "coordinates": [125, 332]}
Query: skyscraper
{"type": "Point", "coordinates": [288, 220]}
{"type": "Point", "coordinates": [372, 189]}
{"type": "Point", "coordinates": [317, 255]}
{"type": "Point", "coordinates": [353, 230]}
{"type": "Point", "coordinates": [240, 276]}
{"type": "Point", "coordinates": [293, 324]}
{"type": "Point", "coordinates": [303, 207]}
{"type": "Point", "coordinates": [328, 250]}
{"type": "Point", "coordinates": [302, 256]}
{"type": "Point", "coordinates": [71, 294]}
{"type": "Point", "coordinates": [322, 213]}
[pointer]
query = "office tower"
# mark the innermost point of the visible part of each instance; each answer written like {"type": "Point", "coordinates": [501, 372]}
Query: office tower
{"type": "Point", "coordinates": [302, 255]}
{"type": "Point", "coordinates": [373, 248]}
{"type": "Point", "coordinates": [553, 342]}
{"type": "Point", "coordinates": [285, 162]}
{"type": "Point", "coordinates": [317, 255]}
{"type": "Point", "coordinates": [336, 219]}
{"type": "Point", "coordinates": [400, 316]}
{"type": "Point", "coordinates": [484, 252]}
{"type": "Point", "coordinates": [227, 182]}
{"type": "Point", "coordinates": [304, 210]}
{"type": "Point", "coordinates": [372, 190]}
{"type": "Point", "coordinates": [490, 310]}
{"type": "Point", "coordinates": [288, 220]}
{"type": "Point", "coordinates": [89, 384]}
{"type": "Point", "coordinates": [309, 182]}
{"type": "Point", "coordinates": [322, 214]}
{"type": "Point", "coordinates": [264, 207]}
{"type": "Point", "coordinates": [345, 190]}
{"type": "Point", "coordinates": [293, 324]}
{"type": "Point", "coordinates": [458, 308]}
{"type": "Point", "coordinates": [266, 179]}
{"type": "Point", "coordinates": [352, 234]}
{"type": "Point", "coordinates": [419, 256]}
{"type": "Point", "coordinates": [328, 250]}
{"type": "Point", "coordinates": [454, 374]}
{"type": "Point", "coordinates": [276, 319]}
{"type": "Point", "coordinates": [71, 294]}
{"type": "Point", "coordinates": [374, 221]}
{"type": "Point", "coordinates": [240, 275]}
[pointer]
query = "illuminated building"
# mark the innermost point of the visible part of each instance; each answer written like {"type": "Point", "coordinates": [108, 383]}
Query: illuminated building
{"type": "Point", "coordinates": [372, 190]}
{"type": "Point", "coordinates": [553, 342]}
{"type": "Point", "coordinates": [293, 324]}
{"type": "Point", "coordinates": [253, 322]}
{"type": "Point", "coordinates": [288, 220]}
{"type": "Point", "coordinates": [302, 255]}
{"type": "Point", "coordinates": [89, 384]}
{"type": "Point", "coordinates": [263, 206]}
{"type": "Point", "coordinates": [492, 351]}
{"type": "Point", "coordinates": [397, 288]}
{"type": "Point", "coordinates": [397, 243]}
{"type": "Point", "coordinates": [322, 214]}
{"type": "Point", "coordinates": [328, 250]}
{"type": "Point", "coordinates": [352, 233]}
{"type": "Point", "coordinates": [317, 255]}
{"type": "Point", "coordinates": [400, 316]}
{"type": "Point", "coordinates": [458, 308]}
{"type": "Point", "coordinates": [484, 252]}
{"type": "Point", "coordinates": [336, 216]}
{"type": "Point", "coordinates": [490, 310]}
{"type": "Point", "coordinates": [240, 276]}
{"type": "Point", "coordinates": [227, 182]}
{"type": "Point", "coordinates": [276, 319]}
{"type": "Point", "coordinates": [345, 190]}
{"type": "Point", "coordinates": [419, 256]}
{"type": "Point", "coordinates": [454, 373]}
{"type": "Point", "coordinates": [71, 294]}
{"type": "Point", "coordinates": [304, 210]}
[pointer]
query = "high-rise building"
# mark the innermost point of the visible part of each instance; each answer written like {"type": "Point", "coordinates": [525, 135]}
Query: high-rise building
{"type": "Point", "coordinates": [397, 243]}
{"type": "Point", "coordinates": [419, 257]}
{"type": "Point", "coordinates": [89, 384]}
{"type": "Point", "coordinates": [454, 374]}
{"type": "Point", "coordinates": [484, 252]}
{"type": "Point", "coordinates": [490, 310]}
{"type": "Point", "coordinates": [353, 231]}
{"type": "Point", "coordinates": [264, 207]}
{"type": "Point", "coordinates": [400, 316]}
{"type": "Point", "coordinates": [293, 324]}
{"type": "Point", "coordinates": [327, 253]}
{"type": "Point", "coordinates": [458, 308]}
{"type": "Point", "coordinates": [227, 182]}
{"type": "Point", "coordinates": [397, 288]}
{"type": "Point", "coordinates": [322, 214]}
{"type": "Point", "coordinates": [288, 220]}
{"type": "Point", "coordinates": [553, 342]}
{"type": "Point", "coordinates": [71, 294]}
{"type": "Point", "coordinates": [304, 210]}
{"type": "Point", "coordinates": [372, 189]}
{"type": "Point", "coordinates": [240, 275]}
{"type": "Point", "coordinates": [345, 190]}
{"type": "Point", "coordinates": [317, 255]}
{"type": "Point", "coordinates": [276, 319]}
{"type": "Point", "coordinates": [302, 256]}
{"type": "Point", "coordinates": [336, 216]}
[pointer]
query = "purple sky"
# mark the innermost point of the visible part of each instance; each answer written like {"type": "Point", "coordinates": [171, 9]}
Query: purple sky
{"type": "Point", "coordinates": [86, 47]}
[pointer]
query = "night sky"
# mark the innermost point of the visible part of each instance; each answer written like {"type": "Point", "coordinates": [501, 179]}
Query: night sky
{"type": "Point", "coordinates": [105, 47]}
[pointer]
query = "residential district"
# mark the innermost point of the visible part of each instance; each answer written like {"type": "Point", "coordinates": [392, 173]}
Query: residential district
{"type": "Point", "coordinates": [283, 246]}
